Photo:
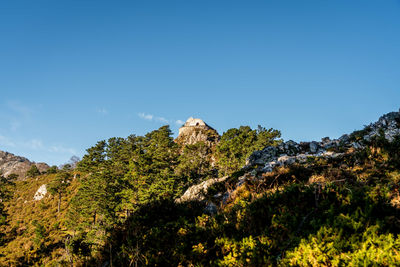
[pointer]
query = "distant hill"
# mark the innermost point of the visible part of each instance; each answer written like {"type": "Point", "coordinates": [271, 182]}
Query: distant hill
{"type": "Point", "coordinates": [12, 164]}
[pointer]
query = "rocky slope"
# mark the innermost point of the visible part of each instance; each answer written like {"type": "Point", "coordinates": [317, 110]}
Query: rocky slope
{"type": "Point", "coordinates": [290, 152]}
{"type": "Point", "coordinates": [12, 164]}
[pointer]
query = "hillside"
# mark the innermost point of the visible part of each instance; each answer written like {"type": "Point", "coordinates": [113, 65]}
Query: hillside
{"type": "Point", "coordinates": [260, 201]}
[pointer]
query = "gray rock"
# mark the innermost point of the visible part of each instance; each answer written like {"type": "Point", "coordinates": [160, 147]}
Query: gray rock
{"type": "Point", "coordinates": [344, 139]}
{"type": "Point", "coordinates": [198, 192]}
{"type": "Point", "coordinates": [286, 160]}
{"type": "Point", "coordinates": [313, 147]}
{"type": "Point", "coordinates": [211, 208]}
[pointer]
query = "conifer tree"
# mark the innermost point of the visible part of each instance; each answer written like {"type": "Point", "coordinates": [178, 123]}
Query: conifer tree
{"type": "Point", "coordinates": [33, 171]}
{"type": "Point", "coordinates": [59, 185]}
{"type": "Point", "coordinates": [236, 145]}
{"type": "Point", "coordinates": [95, 156]}
{"type": "Point", "coordinates": [195, 163]}
{"type": "Point", "coordinates": [151, 170]}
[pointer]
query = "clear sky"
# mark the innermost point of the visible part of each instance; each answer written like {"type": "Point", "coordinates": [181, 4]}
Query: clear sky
{"type": "Point", "coordinates": [75, 72]}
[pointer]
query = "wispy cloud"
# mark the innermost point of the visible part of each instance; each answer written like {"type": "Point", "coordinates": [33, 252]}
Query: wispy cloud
{"type": "Point", "coordinates": [102, 111]}
{"type": "Point", "coordinates": [151, 117]}
{"type": "Point", "coordinates": [62, 149]}
{"type": "Point", "coordinates": [15, 114]}
{"type": "Point", "coordinates": [36, 145]}
{"type": "Point", "coordinates": [162, 119]}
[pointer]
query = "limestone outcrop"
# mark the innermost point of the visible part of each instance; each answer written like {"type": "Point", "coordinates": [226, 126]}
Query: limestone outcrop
{"type": "Point", "coordinates": [40, 193]}
{"type": "Point", "coordinates": [196, 130]}
{"type": "Point", "coordinates": [290, 152]}
{"type": "Point", "coordinates": [388, 127]}
{"type": "Point", "coordinates": [198, 192]}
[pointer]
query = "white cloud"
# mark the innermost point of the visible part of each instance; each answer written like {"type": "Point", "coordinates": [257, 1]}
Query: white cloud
{"type": "Point", "coordinates": [161, 119]}
{"type": "Point", "coordinates": [151, 117]}
{"type": "Point", "coordinates": [145, 116]}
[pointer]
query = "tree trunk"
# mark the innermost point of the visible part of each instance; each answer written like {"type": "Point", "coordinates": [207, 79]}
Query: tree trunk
{"type": "Point", "coordinates": [111, 256]}
{"type": "Point", "coordinates": [59, 202]}
{"type": "Point", "coordinates": [94, 218]}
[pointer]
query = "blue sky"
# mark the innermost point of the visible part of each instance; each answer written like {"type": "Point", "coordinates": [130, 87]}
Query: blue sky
{"type": "Point", "coordinates": [75, 72]}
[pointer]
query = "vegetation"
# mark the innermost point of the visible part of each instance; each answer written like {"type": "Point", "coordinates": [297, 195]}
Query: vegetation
{"type": "Point", "coordinates": [59, 185]}
{"type": "Point", "coordinates": [33, 171]}
{"type": "Point", "coordinates": [236, 146]}
{"type": "Point", "coordinates": [117, 207]}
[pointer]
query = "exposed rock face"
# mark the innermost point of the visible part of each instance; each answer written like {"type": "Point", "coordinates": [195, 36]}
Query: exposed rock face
{"type": "Point", "coordinates": [40, 193]}
{"type": "Point", "coordinates": [11, 164]}
{"type": "Point", "coordinates": [196, 130]}
{"type": "Point", "coordinates": [388, 126]}
{"type": "Point", "coordinates": [198, 192]}
{"type": "Point", "coordinates": [290, 152]}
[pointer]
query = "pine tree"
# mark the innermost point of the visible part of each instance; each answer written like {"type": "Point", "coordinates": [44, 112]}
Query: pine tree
{"type": "Point", "coordinates": [95, 156]}
{"type": "Point", "coordinates": [195, 163]}
{"type": "Point", "coordinates": [236, 145]}
{"type": "Point", "coordinates": [59, 185]}
{"type": "Point", "coordinates": [33, 171]}
{"type": "Point", "coordinates": [151, 170]}
{"type": "Point", "coordinates": [6, 190]}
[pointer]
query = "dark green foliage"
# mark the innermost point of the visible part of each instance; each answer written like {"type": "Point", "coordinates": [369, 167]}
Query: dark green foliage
{"type": "Point", "coordinates": [33, 171]}
{"type": "Point", "coordinates": [347, 218]}
{"type": "Point", "coordinates": [236, 145]}
{"type": "Point", "coordinates": [123, 174]}
{"type": "Point", "coordinates": [6, 188]}
{"type": "Point", "coordinates": [156, 228]}
{"type": "Point", "coordinates": [195, 163]}
{"type": "Point", "coordinates": [40, 234]}
{"type": "Point", "coordinates": [12, 176]}
{"type": "Point", "coordinates": [95, 156]}
{"type": "Point", "coordinates": [260, 232]}
{"type": "Point", "coordinates": [59, 185]}
{"type": "Point", "coordinates": [151, 170]}
{"type": "Point", "coordinates": [53, 169]}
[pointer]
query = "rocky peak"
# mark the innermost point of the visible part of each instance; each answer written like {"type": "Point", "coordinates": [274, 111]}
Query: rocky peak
{"type": "Point", "coordinates": [12, 164]}
{"type": "Point", "coordinates": [196, 130]}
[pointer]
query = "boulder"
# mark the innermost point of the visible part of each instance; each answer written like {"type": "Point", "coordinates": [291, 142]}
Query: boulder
{"type": "Point", "coordinates": [198, 192]}
{"type": "Point", "coordinates": [40, 193]}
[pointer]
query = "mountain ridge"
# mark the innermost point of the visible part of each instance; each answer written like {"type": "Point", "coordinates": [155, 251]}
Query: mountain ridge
{"type": "Point", "coordinates": [13, 164]}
